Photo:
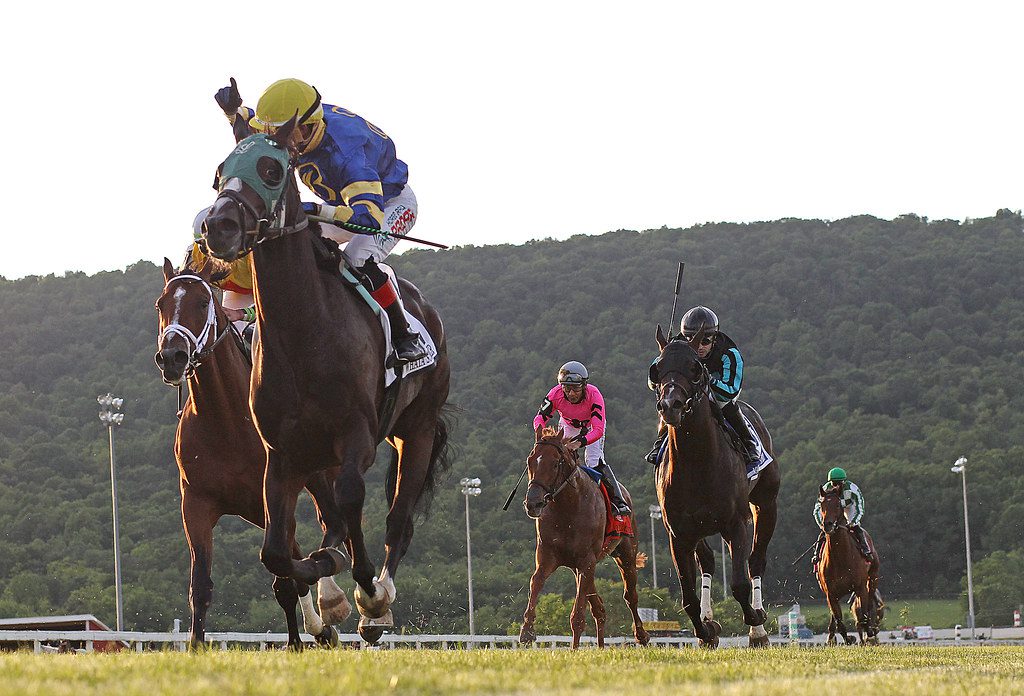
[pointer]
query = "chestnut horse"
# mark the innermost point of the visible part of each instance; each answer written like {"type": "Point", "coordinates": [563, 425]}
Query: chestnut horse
{"type": "Point", "coordinates": [704, 490]}
{"type": "Point", "coordinates": [570, 511]}
{"type": "Point", "coordinates": [843, 570]}
{"type": "Point", "coordinates": [221, 457]}
{"type": "Point", "coordinates": [318, 376]}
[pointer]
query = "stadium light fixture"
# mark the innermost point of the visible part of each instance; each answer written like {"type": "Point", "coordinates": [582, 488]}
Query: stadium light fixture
{"type": "Point", "coordinates": [470, 487]}
{"type": "Point", "coordinates": [111, 416]}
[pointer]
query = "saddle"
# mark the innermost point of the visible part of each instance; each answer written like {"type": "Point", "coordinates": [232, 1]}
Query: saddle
{"type": "Point", "coordinates": [615, 527]}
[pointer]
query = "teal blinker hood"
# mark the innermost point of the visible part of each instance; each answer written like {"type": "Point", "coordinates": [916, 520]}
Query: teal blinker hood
{"type": "Point", "coordinates": [241, 164]}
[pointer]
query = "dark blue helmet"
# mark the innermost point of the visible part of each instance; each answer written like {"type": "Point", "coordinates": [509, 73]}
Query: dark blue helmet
{"type": "Point", "coordinates": [700, 317]}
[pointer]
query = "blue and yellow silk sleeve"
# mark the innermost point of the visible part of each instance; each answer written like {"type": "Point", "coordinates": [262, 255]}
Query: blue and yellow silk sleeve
{"type": "Point", "coordinates": [352, 189]}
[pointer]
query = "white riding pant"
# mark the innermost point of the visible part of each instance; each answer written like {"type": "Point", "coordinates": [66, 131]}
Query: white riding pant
{"type": "Point", "coordinates": [400, 215]}
{"type": "Point", "coordinates": [592, 453]}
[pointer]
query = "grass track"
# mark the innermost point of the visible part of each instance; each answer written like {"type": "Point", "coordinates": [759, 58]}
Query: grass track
{"type": "Point", "coordinates": [928, 670]}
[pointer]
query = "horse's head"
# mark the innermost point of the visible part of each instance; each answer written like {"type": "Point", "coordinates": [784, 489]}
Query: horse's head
{"type": "Point", "coordinates": [833, 516]}
{"type": "Point", "coordinates": [679, 378]}
{"type": "Point", "coordinates": [255, 191]}
{"type": "Point", "coordinates": [551, 465]}
{"type": "Point", "coordinates": [189, 320]}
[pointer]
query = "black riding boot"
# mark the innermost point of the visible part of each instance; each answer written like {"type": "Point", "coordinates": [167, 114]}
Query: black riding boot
{"type": "Point", "coordinates": [818, 545]}
{"type": "Point", "coordinates": [619, 506]}
{"type": "Point", "coordinates": [731, 411]}
{"type": "Point", "coordinates": [865, 549]}
{"type": "Point", "coordinates": [408, 346]}
{"type": "Point", "coordinates": [652, 456]}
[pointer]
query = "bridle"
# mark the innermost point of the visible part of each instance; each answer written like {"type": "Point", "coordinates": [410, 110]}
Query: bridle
{"type": "Point", "coordinates": [564, 456]}
{"type": "Point", "coordinates": [701, 387]}
{"type": "Point", "coordinates": [197, 348]}
{"type": "Point", "coordinates": [833, 527]}
{"type": "Point", "coordinates": [264, 228]}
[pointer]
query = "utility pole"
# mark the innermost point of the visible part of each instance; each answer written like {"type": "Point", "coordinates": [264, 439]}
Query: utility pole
{"type": "Point", "coordinates": [470, 486]}
{"type": "Point", "coordinates": [960, 467]}
{"type": "Point", "coordinates": [110, 417]}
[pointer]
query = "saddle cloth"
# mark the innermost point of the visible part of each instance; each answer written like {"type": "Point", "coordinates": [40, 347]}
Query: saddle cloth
{"type": "Point", "coordinates": [763, 460]}
{"type": "Point", "coordinates": [414, 324]}
{"type": "Point", "coordinates": [614, 526]}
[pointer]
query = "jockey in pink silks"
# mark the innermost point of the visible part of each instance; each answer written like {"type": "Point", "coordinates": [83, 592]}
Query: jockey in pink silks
{"type": "Point", "coordinates": [581, 413]}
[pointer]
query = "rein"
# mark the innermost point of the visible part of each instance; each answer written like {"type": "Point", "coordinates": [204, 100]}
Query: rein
{"type": "Point", "coordinates": [265, 228]}
{"type": "Point", "coordinates": [702, 388]}
{"type": "Point", "coordinates": [563, 456]}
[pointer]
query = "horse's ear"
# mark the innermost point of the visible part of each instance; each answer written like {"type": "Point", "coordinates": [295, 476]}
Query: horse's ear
{"type": "Point", "coordinates": [284, 133]}
{"type": "Point", "coordinates": [660, 336]}
{"type": "Point", "coordinates": [206, 271]}
{"type": "Point", "coordinates": [560, 434]}
{"type": "Point", "coordinates": [240, 128]}
{"type": "Point", "coordinates": [169, 271]}
{"type": "Point", "coordinates": [539, 430]}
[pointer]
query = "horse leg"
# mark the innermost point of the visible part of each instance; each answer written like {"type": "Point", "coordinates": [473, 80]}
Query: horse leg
{"type": "Point", "coordinates": [739, 538]}
{"type": "Point", "coordinates": [280, 495]}
{"type": "Point", "coordinates": [332, 602]}
{"type": "Point", "coordinates": [287, 596]}
{"type": "Point", "coordinates": [706, 561]}
{"type": "Point", "coordinates": [578, 616]}
{"type": "Point", "coordinates": [318, 627]}
{"type": "Point", "coordinates": [198, 519]}
{"type": "Point", "coordinates": [684, 557]}
{"type": "Point", "coordinates": [835, 606]}
{"type": "Point", "coordinates": [597, 610]}
{"type": "Point", "coordinates": [625, 558]}
{"type": "Point", "coordinates": [540, 575]}
{"type": "Point", "coordinates": [831, 640]}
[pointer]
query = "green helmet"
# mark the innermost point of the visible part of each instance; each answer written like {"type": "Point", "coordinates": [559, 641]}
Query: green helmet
{"type": "Point", "coordinates": [836, 475]}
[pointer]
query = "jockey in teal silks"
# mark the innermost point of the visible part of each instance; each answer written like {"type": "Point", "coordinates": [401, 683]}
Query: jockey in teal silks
{"type": "Point", "coordinates": [722, 358]}
{"type": "Point", "coordinates": [352, 166]}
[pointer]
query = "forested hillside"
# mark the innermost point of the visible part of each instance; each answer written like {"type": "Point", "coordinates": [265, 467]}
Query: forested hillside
{"type": "Point", "coordinates": [889, 348]}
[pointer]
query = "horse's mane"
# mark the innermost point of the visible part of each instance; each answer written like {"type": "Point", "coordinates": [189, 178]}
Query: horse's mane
{"type": "Point", "coordinates": [219, 269]}
{"type": "Point", "coordinates": [549, 431]}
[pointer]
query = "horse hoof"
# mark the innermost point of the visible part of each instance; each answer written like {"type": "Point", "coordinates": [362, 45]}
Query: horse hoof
{"type": "Point", "coordinates": [327, 638]}
{"type": "Point", "coordinates": [383, 595]}
{"type": "Point", "coordinates": [527, 636]}
{"type": "Point", "coordinates": [831, 641]}
{"type": "Point", "coordinates": [715, 629]}
{"type": "Point", "coordinates": [332, 556]}
{"type": "Point", "coordinates": [760, 642]}
{"type": "Point", "coordinates": [850, 640]}
{"type": "Point", "coordinates": [334, 605]}
{"type": "Point", "coordinates": [642, 637]}
{"type": "Point", "coordinates": [371, 634]}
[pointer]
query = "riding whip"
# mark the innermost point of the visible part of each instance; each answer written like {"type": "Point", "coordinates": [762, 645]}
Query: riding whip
{"type": "Point", "coordinates": [508, 501]}
{"type": "Point", "coordinates": [675, 297]}
{"type": "Point", "coordinates": [372, 231]}
{"type": "Point", "coordinates": [813, 543]}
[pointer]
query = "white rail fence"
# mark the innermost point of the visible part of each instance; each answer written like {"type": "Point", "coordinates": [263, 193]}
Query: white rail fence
{"type": "Point", "coordinates": [139, 640]}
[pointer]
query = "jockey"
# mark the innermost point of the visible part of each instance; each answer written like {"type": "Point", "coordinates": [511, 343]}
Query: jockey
{"type": "Point", "coordinates": [853, 506]}
{"type": "Point", "coordinates": [580, 407]}
{"type": "Point", "coordinates": [722, 358]}
{"type": "Point", "coordinates": [351, 165]}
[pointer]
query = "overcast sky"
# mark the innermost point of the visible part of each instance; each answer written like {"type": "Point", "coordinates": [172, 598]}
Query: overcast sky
{"type": "Point", "coordinates": [518, 120]}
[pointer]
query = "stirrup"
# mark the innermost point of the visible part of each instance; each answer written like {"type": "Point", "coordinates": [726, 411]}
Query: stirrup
{"type": "Point", "coordinates": [410, 349]}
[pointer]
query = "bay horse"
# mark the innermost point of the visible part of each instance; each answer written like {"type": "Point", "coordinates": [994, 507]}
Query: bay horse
{"type": "Point", "coordinates": [318, 376]}
{"type": "Point", "coordinates": [569, 508]}
{"type": "Point", "coordinates": [220, 455]}
{"type": "Point", "coordinates": [704, 490]}
{"type": "Point", "coordinates": [843, 570]}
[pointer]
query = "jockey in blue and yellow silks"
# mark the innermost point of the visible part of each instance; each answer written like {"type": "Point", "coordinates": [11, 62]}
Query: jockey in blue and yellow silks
{"type": "Point", "coordinates": [352, 166]}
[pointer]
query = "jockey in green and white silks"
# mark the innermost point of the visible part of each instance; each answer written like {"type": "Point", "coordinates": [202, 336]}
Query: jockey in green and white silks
{"type": "Point", "coordinates": [853, 507]}
{"type": "Point", "coordinates": [352, 166]}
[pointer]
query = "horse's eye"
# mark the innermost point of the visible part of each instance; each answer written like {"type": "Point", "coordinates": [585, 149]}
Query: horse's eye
{"type": "Point", "coordinates": [270, 171]}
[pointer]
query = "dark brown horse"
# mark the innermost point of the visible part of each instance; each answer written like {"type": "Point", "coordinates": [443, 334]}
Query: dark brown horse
{"type": "Point", "coordinates": [570, 512]}
{"type": "Point", "coordinates": [843, 570]}
{"type": "Point", "coordinates": [220, 456]}
{"type": "Point", "coordinates": [704, 490]}
{"type": "Point", "coordinates": [318, 377]}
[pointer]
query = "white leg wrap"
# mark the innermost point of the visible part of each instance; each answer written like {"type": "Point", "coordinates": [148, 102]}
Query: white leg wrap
{"type": "Point", "coordinates": [755, 600]}
{"type": "Point", "coordinates": [310, 619]}
{"type": "Point", "coordinates": [706, 614]}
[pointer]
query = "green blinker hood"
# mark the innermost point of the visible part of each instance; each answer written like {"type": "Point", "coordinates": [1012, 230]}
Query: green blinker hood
{"type": "Point", "coordinates": [241, 164]}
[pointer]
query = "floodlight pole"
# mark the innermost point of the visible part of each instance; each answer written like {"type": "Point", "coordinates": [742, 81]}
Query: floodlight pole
{"type": "Point", "coordinates": [655, 511]}
{"type": "Point", "coordinates": [110, 417]}
{"type": "Point", "coordinates": [470, 486]}
{"type": "Point", "coordinates": [960, 467]}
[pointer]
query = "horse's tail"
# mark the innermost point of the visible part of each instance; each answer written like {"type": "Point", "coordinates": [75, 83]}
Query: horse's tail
{"type": "Point", "coordinates": [440, 460]}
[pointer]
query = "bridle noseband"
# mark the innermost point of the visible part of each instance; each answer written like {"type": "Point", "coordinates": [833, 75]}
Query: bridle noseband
{"type": "Point", "coordinates": [701, 387]}
{"type": "Point", "coordinates": [198, 351]}
{"type": "Point", "coordinates": [564, 455]}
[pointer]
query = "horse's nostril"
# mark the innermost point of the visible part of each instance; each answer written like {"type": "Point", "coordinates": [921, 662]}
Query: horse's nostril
{"type": "Point", "coordinates": [159, 358]}
{"type": "Point", "coordinates": [180, 359]}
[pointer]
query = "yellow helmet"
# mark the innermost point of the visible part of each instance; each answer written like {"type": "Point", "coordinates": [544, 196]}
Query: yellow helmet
{"type": "Point", "coordinates": [282, 100]}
